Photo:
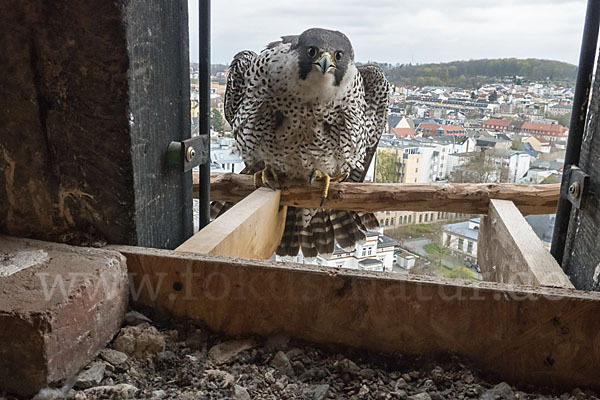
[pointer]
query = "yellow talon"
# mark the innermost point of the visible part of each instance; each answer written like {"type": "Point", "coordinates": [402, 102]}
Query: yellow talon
{"type": "Point", "coordinates": [261, 178]}
{"type": "Point", "coordinates": [326, 181]}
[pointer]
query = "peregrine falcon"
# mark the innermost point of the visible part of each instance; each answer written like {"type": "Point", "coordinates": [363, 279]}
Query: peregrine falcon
{"type": "Point", "coordinates": [302, 109]}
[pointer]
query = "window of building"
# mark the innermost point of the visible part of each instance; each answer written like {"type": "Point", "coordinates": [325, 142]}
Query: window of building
{"type": "Point", "coordinates": [461, 243]}
{"type": "Point", "coordinates": [410, 219]}
{"type": "Point", "coordinates": [431, 217]}
{"type": "Point", "coordinates": [448, 237]}
{"type": "Point", "coordinates": [364, 252]}
{"type": "Point", "coordinates": [387, 221]}
{"type": "Point", "coordinates": [392, 221]}
{"type": "Point", "coordinates": [470, 247]}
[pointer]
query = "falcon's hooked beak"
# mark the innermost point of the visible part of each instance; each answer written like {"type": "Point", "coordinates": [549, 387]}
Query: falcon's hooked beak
{"type": "Point", "coordinates": [325, 63]}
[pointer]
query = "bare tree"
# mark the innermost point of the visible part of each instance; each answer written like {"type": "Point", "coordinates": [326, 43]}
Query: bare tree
{"type": "Point", "coordinates": [481, 167]}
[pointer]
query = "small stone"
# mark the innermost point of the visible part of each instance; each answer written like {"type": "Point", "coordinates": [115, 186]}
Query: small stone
{"type": "Point", "coordinates": [298, 367]}
{"type": "Point", "coordinates": [158, 394]}
{"type": "Point", "coordinates": [197, 339]}
{"type": "Point", "coordinates": [226, 352]}
{"type": "Point", "coordinates": [139, 341]}
{"type": "Point", "coordinates": [282, 382]}
{"type": "Point", "coordinates": [400, 384]}
{"type": "Point", "coordinates": [420, 396]}
{"type": "Point", "coordinates": [291, 388]}
{"type": "Point", "coordinates": [294, 353]}
{"type": "Point", "coordinates": [114, 357]}
{"type": "Point", "coordinates": [116, 392]}
{"type": "Point", "coordinates": [92, 376]}
{"type": "Point", "coordinates": [318, 392]}
{"type": "Point", "coordinates": [414, 374]}
{"type": "Point", "coordinates": [367, 373]}
{"type": "Point", "coordinates": [437, 374]}
{"type": "Point", "coordinates": [226, 377]}
{"type": "Point", "coordinates": [406, 377]}
{"type": "Point", "coordinates": [78, 396]}
{"type": "Point", "coordinates": [240, 393]}
{"type": "Point", "coordinates": [364, 390]}
{"type": "Point", "coordinates": [467, 377]}
{"type": "Point", "coordinates": [395, 375]}
{"type": "Point", "coordinates": [500, 391]}
{"type": "Point", "coordinates": [399, 394]}
{"type": "Point", "coordinates": [428, 384]}
{"type": "Point", "coordinates": [348, 366]}
{"type": "Point", "coordinates": [136, 318]}
{"type": "Point", "coordinates": [282, 363]}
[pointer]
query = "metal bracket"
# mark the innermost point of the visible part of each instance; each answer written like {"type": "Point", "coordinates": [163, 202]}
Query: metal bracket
{"type": "Point", "coordinates": [190, 153]}
{"type": "Point", "coordinates": [577, 187]}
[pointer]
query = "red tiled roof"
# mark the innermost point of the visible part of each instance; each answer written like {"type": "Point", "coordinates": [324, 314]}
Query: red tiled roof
{"type": "Point", "coordinates": [403, 132]}
{"type": "Point", "coordinates": [496, 122]}
{"type": "Point", "coordinates": [453, 128]}
{"type": "Point", "coordinates": [432, 127]}
{"type": "Point", "coordinates": [446, 128]}
{"type": "Point", "coordinates": [550, 129]}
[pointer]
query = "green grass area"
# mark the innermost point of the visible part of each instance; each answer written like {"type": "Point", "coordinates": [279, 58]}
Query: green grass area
{"type": "Point", "coordinates": [433, 249]}
{"type": "Point", "coordinates": [458, 272]}
{"type": "Point", "coordinates": [412, 231]}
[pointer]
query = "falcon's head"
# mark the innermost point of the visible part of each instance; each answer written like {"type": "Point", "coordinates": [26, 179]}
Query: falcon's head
{"type": "Point", "coordinates": [324, 52]}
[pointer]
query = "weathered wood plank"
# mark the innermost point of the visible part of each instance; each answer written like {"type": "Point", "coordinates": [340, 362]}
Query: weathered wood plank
{"type": "Point", "coordinates": [509, 251]}
{"type": "Point", "coordinates": [467, 198]}
{"type": "Point", "coordinates": [252, 229]}
{"type": "Point", "coordinates": [581, 260]}
{"type": "Point", "coordinates": [526, 335]}
{"type": "Point", "coordinates": [83, 134]}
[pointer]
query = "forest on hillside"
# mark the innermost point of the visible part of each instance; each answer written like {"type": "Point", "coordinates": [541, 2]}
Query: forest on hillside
{"type": "Point", "coordinates": [470, 74]}
{"type": "Point", "coordinates": [474, 73]}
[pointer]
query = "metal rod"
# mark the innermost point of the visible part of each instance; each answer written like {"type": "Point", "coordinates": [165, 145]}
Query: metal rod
{"type": "Point", "coordinates": [578, 116]}
{"type": "Point", "coordinates": [204, 105]}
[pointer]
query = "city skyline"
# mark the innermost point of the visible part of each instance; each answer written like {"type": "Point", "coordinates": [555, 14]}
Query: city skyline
{"type": "Point", "coordinates": [404, 32]}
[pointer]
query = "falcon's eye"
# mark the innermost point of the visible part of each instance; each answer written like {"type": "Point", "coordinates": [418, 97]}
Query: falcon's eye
{"type": "Point", "coordinates": [312, 52]}
{"type": "Point", "coordinates": [338, 55]}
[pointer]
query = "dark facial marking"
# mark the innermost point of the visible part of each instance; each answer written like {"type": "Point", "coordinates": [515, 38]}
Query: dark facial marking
{"type": "Point", "coordinates": [333, 42]}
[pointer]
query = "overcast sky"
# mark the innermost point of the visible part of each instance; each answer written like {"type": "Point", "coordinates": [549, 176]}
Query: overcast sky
{"type": "Point", "coordinates": [402, 31]}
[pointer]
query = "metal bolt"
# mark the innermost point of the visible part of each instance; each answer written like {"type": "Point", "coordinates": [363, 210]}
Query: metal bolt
{"type": "Point", "coordinates": [574, 190]}
{"type": "Point", "coordinates": [190, 154]}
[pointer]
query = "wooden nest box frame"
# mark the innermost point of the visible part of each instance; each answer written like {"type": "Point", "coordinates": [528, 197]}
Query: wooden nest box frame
{"type": "Point", "coordinates": [95, 94]}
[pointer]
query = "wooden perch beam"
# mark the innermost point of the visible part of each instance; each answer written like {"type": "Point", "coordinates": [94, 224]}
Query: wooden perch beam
{"type": "Point", "coordinates": [509, 251]}
{"type": "Point", "coordinates": [466, 198]}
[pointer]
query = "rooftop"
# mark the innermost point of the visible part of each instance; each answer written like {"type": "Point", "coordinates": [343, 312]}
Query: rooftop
{"type": "Point", "coordinates": [462, 229]}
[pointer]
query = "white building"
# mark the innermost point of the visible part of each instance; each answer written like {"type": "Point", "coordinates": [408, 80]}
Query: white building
{"type": "Point", "coordinates": [221, 153]}
{"type": "Point", "coordinates": [518, 162]}
{"type": "Point", "coordinates": [461, 238]}
{"type": "Point", "coordinates": [375, 254]}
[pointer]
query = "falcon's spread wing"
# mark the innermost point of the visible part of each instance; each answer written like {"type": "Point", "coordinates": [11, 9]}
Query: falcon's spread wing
{"type": "Point", "coordinates": [236, 83]}
{"type": "Point", "coordinates": [376, 89]}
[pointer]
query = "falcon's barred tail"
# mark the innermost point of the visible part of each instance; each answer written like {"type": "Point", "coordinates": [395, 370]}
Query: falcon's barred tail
{"type": "Point", "coordinates": [324, 229]}
{"type": "Point", "coordinates": [218, 208]}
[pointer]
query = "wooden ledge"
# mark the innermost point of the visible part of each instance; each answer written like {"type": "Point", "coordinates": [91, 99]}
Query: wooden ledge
{"type": "Point", "coordinates": [525, 335]}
